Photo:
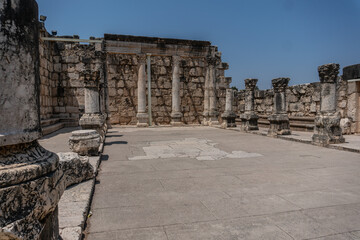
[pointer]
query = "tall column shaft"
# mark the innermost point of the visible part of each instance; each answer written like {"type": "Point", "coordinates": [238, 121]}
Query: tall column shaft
{"type": "Point", "coordinates": [206, 97]}
{"type": "Point", "coordinates": [142, 85]}
{"type": "Point", "coordinates": [229, 100]}
{"type": "Point", "coordinates": [142, 115]}
{"type": "Point", "coordinates": [176, 85]}
{"type": "Point", "coordinates": [212, 90]}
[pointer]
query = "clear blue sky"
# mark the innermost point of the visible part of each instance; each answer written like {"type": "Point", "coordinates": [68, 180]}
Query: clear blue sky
{"type": "Point", "coordinates": [261, 39]}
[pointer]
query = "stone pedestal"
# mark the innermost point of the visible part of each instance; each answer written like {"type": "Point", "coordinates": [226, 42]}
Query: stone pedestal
{"type": "Point", "coordinates": [93, 119]}
{"type": "Point", "coordinates": [142, 116]}
{"type": "Point", "coordinates": [327, 124]}
{"type": "Point", "coordinates": [85, 142]}
{"type": "Point", "coordinates": [279, 120]}
{"type": "Point", "coordinates": [228, 117]}
{"type": "Point", "coordinates": [249, 119]}
{"type": "Point", "coordinates": [30, 179]}
{"type": "Point", "coordinates": [176, 114]}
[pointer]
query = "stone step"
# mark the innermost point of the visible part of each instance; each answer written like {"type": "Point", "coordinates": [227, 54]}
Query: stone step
{"type": "Point", "coordinates": [296, 125]}
{"type": "Point", "coordinates": [52, 128]}
{"type": "Point", "coordinates": [50, 121]}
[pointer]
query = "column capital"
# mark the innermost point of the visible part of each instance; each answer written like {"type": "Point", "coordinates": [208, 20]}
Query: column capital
{"type": "Point", "coordinates": [176, 59]}
{"type": "Point", "coordinates": [328, 72]}
{"type": "Point", "coordinates": [280, 84]}
{"type": "Point", "coordinates": [250, 83]}
{"type": "Point", "coordinates": [142, 58]}
{"type": "Point", "coordinates": [213, 61]}
{"type": "Point", "coordinates": [91, 78]}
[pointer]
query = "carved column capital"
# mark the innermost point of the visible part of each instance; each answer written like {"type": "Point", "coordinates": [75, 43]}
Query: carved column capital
{"type": "Point", "coordinates": [142, 58]}
{"type": "Point", "coordinates": [91, 78]}
{"type": "Point", "coordinates": [280, 84]}
{"type": "Point", "coordinates": [250, 83]}
{"type": "Point", "coordinates": [328, 72]}
{"type": "Point", "coordinates": [213, 61]}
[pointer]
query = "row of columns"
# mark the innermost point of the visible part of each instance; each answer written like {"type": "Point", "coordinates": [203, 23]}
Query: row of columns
{"type": "Point", "coordinates": [327, 128]}
{"type": "Point", "coordinates": [210, 105]}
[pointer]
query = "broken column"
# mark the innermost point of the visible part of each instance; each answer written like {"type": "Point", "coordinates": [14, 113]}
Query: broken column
{"type": "Point", "coordinates": [279, 120]}
{"type": "Point", "coordinates": [228, 117]}
{"type": "Point", "coordinates": [85, 142]}
{"type": "Point", "coordinates": [93, 118]}
{"type": "Point", "coordinates": [213, 113]}
{"type": "Point", "coordinates": [142, 116]}
{"type": "Point", "coordinates": [176, 114]}
{"type": "Point", "coordinates": [327, 124]}
{"type": "Point", "coordinates": [30, 180]}
{"type": "Point", "coordinates": [249, 119]}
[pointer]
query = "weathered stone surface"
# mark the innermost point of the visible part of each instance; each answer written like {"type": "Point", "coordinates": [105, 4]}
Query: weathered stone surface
{"type": "Point", "coordinates": [85, 142]}
{"type": "Point", "coordinates": [327, 129]}
{"type": "Point", "coordinates": [95, 121]}
{"type": "Point", "coordinates": [351, 72]}
{"type": "Point", "coordinates": [279, 120]}
{"type": "Point", "coordinates": [229, 116]}
{"type": "Point", "coordinates": [249, 118]}
{"type": "Point", "coordinates": [327, 123]}
{"type": "Point", "coordinates": [249, 121]}
{"type": "Point", "coordinates": [76, 168]}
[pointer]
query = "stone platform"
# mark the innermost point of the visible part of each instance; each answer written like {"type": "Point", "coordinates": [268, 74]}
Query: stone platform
{"type": "Point", "coordinates": [210, 183]}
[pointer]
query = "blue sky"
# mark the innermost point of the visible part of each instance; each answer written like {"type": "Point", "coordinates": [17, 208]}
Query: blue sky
{"type": "Point", "coordinates": [261, 39]}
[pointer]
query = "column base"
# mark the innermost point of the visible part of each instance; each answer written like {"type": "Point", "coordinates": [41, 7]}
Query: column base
{"type": "Point", "coordinates": [279, 125]}
{"type": "Point", "coordinates": [85, 142]}
{"type": "Point", "coordinates": [143, 120]}
{"type": "Point", "coordinates": [327, 129]}
{"type": "Point", "coordinates": [176, 119]}
{"type": "Point", "coordinates": [31, 185]}
{"type": "Point", "coordinates": [94, 121]}
{"type": "Point", "coordinates": [228, 120]}
{"type": "Point", "coordinates": [249, 121]}
{"type": "Point", "coordinates": [213, 118]}
{"type": "Point", "coordinates": [205, 121]}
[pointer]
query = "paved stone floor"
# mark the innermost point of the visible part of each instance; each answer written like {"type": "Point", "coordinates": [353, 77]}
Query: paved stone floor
{"type": "Point", "coordinates": [207, 183]}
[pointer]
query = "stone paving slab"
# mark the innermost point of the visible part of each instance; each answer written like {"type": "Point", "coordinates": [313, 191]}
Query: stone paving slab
{"type": "Point", "coordinates": [290, 190]}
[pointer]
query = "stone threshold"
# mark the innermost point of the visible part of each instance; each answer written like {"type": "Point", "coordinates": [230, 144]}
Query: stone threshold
{"type": "Point", "coordinates": [74, 206]}
{"type": "Point", "coordinates": [305, 137]}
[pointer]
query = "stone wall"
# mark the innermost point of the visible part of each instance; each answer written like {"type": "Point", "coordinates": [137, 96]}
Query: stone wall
{"type": "Point", "coordinates": [64, 64]}
{"type": "Point", "coordinates": [122, 85]}
{"type": "Point", "coordinates": [301, 100]}
{"type": "Point", "coordinates": [49, 79]}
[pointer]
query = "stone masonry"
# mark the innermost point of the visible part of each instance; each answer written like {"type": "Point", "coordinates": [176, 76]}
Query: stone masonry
{"type": "Point", "coordinates": [249, 118]}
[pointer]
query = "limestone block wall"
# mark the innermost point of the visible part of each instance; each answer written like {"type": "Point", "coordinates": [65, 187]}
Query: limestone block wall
{"type": "Point", "coordinates": [49, 79]}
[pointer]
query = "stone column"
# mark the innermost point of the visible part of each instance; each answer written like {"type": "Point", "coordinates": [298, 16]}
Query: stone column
{"type": "Point", "coordinates": [249, 119]}
{"type": "Point", "coordinates": [229, 116]}
{"type": "Point", "coordinates": [30, 180]}
{"type": "Point", "coordinates": [206, 98]}
{"type": "Point", "coordinates": [176, 114]}
{"type": "Point", "coordinates": [93, 118]}
{"type": "Point", "coordinates": [213, 113]}
{"type": "Point", "coordinates": [351, 74]}
{"type": "Point", "coordinates": [327, 124]}
{"type": "Point", "coordinates": [142, 116]}
{"type": "Point", "coordinates": [279, 120]}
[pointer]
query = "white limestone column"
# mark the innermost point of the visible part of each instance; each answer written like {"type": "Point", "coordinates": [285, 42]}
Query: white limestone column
{"type": "Point", "coordinates": [206, 97]}
{"type": "Point", "coordinates": [92, 100]}
{"type": "Point", "coordinates": [213, 113]}
{"type": "Point", "coordinates": [175, 91]}
{"type": "Point", "coordinates": [141, 115]}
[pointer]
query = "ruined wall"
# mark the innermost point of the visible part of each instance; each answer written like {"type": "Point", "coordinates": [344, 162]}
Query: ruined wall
{"type": "Point", "coordinates": [73, 61]}
{"type": "Point", "coordinates": [301, 100]}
